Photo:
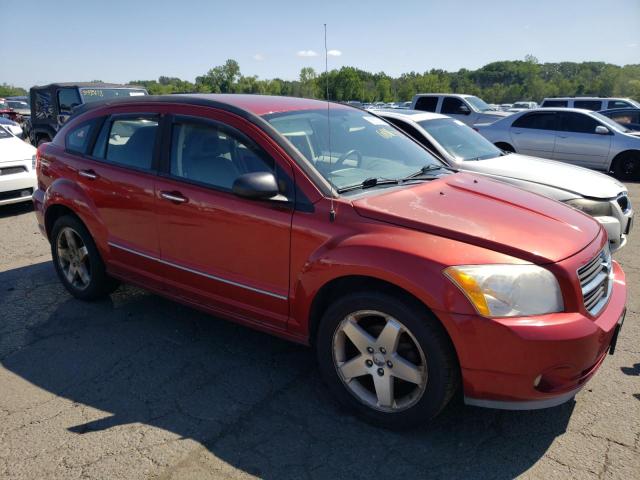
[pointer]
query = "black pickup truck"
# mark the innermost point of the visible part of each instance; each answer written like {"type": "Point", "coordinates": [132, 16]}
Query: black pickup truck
{"type": "Point", "coordinates": [51, 105]}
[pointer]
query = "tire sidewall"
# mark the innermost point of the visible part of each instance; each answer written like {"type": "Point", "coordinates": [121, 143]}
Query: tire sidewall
{"type": "Point", "coordinates": [426, 330]}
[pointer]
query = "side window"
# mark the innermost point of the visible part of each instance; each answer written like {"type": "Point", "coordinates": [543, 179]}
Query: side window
{"type": "Point", "coordinates": [537, 121]}
{"type": "Point", "coordinates": [77, 140]}
{"type": "Point", "coordinates": [427, 104]}
{"type": "Point", "coordinates": [67, 99]}
{"type": "Point", "coordinates": [452, 105]}
{"type": "Point", "coordinates": [578, 123]}
{"type": "Point", "coordinates": [623, 118]}
{"type": "Point", "coordinates": [618, 104]}
{"type": "Point", "coordinates": [588, 104]}
{"type": "Point", "coordinates": [554, 103]}
{"type": "Point", "coordinates": [212, 155]}
{"type": "Point", "coordinates": [128, 142]}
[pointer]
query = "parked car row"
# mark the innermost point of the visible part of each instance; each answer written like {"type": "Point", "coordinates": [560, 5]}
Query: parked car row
{"type": "Point", "coordinates": [414, 272]}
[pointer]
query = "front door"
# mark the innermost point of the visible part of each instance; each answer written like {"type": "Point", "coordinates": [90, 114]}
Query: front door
{"type": "Point", "coordinates": [535, 134]}
{"type": "Point", "coordinates": [577, 141]}
{"type": "Point", "coordinates": [225, 252]}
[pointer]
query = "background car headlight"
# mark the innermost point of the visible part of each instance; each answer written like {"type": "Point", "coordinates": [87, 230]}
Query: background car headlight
{"type": "Point", "coordinates": [595, 208]}
{"type": "Point", "coordinates": [508, 290]}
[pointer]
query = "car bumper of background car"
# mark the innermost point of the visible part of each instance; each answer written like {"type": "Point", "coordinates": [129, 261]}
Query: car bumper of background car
{"type": "Point", "coordinates": [535, 362]}
{"type": "Point", "coordinates": [618, 229]}
{"type": "Point", "coordinates": [15, 188]}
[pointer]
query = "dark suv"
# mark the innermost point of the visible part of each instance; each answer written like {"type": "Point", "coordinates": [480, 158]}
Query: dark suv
{"type": "Point", "coordinates": [51, 105]}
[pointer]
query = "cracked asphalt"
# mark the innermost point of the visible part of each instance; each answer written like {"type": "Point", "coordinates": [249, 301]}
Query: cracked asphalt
{"type": "Point", "coordinates": [139, 387]}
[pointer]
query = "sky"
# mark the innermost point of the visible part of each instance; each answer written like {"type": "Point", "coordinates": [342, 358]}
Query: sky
{"type": "Point", "coordinates": [118, 41]}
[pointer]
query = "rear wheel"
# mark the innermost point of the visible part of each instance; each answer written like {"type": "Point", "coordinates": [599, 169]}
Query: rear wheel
{"type": "Point", "coordinates": [627, 166]}
{"type": "Point", "coordinates": [387, 359]}
{"type": "Point", "coordinates": [77, 261]}
{"type": "Point", "coordinates": [43, 139]}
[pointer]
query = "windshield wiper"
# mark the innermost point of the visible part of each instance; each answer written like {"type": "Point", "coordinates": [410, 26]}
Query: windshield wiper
{"type": "Point", "coordinates": [369, 183]}
{"type": "Point", "coordinates": [424, 171]}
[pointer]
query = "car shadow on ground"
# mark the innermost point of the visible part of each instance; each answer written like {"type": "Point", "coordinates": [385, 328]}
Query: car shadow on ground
{"type": "Point", "coordinates": [15, 209]}
{"type": "Point", "coordinates": [252, 400]}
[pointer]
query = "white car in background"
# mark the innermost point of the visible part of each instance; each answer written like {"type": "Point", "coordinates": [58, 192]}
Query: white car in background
{"type": "Point", "coordinates": [460, 147]}
{"type": "Point", "coordinates": [589, 103]}
{"type": "Point", "coordinates": [466, 108]}
{"type": "Point", "coordinates": [570, 135]}
{"type": "Point", "coordinates": [522, 106]}
{"type": "Point", "coordinates": [17, 169]}
{"type": "Point", "coordinates": [13, 127]}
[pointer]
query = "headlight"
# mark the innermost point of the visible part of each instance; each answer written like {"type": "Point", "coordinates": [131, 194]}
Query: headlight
{"type": "Point", "coordinates": [508, 290]}
{"type": "Point", "coordinates": [595, 208]}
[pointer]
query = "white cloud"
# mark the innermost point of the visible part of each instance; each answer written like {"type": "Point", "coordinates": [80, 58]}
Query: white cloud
{"type": "Point", "coordinates": [632, 45]}
{"type": "Point", "coordinates": [307, 53]}
{"type": "Point", "coordinates": [258, 57]}
{"type": "Point", "coordinates": [334, 53]}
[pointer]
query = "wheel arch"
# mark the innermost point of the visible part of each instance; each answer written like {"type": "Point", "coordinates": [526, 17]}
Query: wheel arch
{"type": "Point", "coordinates": [505, 146]}
{"type": "Point", "coordinates": [621, 154]}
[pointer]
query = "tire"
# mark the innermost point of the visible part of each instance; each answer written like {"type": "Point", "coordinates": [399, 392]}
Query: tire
{"type": "Point", "coordinates": [42, 140]}
{"type": "Point", "coordinates": [627, 166]}
{"type": "Point", "coordinates": [77, 260]}
{"type": "Point", "coordinates": [505, 147]}
{"type": "Point", "coordinates": [411, 403]}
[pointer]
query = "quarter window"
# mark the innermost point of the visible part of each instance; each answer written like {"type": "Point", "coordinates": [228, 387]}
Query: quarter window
{"type": "Point", "coordinates": [588, 104]}
{"type": "Point", "coordinates": [578, 123]}
{"type": "Point", "coordinates": [427, 104]}
{"type": "Point", "coordinates": [537, 121]}
{"type": "Point", "coordinates": [128, 142]}
{"type": "Point", "coordinates": [212, 155]}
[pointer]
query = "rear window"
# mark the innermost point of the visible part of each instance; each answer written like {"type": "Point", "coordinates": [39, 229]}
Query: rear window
{"type": "Point", "coordinates": [618, 104]}
{"type": "Point", "coordinates": [537, 121]}
{"type": "Point", "coordinates": [554, 103]}
{"type": "Point", "coordinates": [588, 104]}
{"type": "Point", "coordinates": [77, 140]}
{"type": "Point", "coordinates": [428, 104]}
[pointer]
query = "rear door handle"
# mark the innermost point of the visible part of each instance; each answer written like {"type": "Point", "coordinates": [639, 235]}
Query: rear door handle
{"type": "Point", "coordinates": [90, 174]}
{"type": "Point", "coordinates": [175, 197]}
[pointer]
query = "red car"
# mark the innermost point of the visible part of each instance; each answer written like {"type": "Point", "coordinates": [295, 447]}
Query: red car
{"type": "Point", "coordinates": [323, 224]}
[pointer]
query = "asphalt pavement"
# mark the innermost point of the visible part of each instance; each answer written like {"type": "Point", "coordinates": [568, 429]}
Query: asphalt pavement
{"type": "Point", "coordinates": [137, 386]}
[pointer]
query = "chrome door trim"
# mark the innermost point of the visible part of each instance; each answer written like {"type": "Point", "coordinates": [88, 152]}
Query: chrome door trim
{"type": "Point", "coordinates": [197, 272]}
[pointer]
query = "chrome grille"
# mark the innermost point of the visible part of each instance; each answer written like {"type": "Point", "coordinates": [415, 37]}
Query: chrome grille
{"type": "Point", "coordinates": [596, 281]}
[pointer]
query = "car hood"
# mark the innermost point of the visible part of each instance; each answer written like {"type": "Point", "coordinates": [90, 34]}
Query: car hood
{"type": "Point", "coordinates": [13, 149]}
{"type": "Point", "coordinates": [486, 213]}
{"type": "Point", "coordinates": [577, 180]}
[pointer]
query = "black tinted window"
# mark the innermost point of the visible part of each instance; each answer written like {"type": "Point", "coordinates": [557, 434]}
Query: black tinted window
{"type": "Point", "coordinates": [618, 104]}
{"type": "Point", "coordinates": [428, 104]}
{"type": "Point", "coordinates": [554, 103]}
{"type": "Point", "coordinates": [578, 123]}
{"type": "Point", "coordinates": [67, 99]}
{"type": "Point", "coordinates": [538, 121]}
{"type": "Point", "coordinates": [130, 142]}
{"type": "Point", "coordinates": [77, 140]}
{"type": "Point", "coordinates": [588, 104]}
{"type": "Point", "coordinates": [214, 156]}
{"type": "Point", "coordinates": [451, 105]}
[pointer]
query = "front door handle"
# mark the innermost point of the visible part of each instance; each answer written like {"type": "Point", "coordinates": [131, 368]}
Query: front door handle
{"type": "Point", "coordinates": [175, 197]}
{"type": "Point", "coordinates": [563, 136]}
{"type": "Point", "coordinates": [90, 174]}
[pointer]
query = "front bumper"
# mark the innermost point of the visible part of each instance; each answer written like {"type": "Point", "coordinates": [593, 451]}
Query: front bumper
{"type": "Point", "coordinates": [619, 224]}
{"type": "Point", "coordinates": [16, 187]}
{"type": "Point", "coordinates": [535, 362]}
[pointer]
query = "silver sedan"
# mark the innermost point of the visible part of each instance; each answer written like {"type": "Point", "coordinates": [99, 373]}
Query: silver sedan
{"type": "Point", "coordinates": [570, 135]}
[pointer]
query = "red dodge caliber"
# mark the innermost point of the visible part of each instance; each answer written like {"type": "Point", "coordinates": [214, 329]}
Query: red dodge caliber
{"type": "Point", "coordinates": [325, 225]}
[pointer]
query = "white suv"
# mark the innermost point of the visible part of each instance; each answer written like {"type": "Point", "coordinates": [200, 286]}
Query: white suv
{"type": "Point", "coordinates": [594, 104]}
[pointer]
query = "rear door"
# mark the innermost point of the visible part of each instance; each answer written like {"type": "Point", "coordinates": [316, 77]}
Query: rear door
{"type": "Point", "coordinates": [577, 141]}
{"type": "Point", "coordinates": [535, 133]}
{"type": "Point", "coordinates": [228, 253]}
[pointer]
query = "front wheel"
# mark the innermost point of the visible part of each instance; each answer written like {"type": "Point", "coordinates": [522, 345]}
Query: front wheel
{"type": "Point", "coordinates": [627, 166]}
{"type": "Point", "coordinates": [387, 359]}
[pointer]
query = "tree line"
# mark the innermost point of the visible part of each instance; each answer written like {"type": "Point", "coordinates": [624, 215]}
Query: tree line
{"type": "Point", "coordinates": [497, 82]}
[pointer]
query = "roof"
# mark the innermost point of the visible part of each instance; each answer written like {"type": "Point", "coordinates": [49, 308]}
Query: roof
{"type": "Point", "coordinates": [86, 84]}
{"type": "Point", "coordinates": [462, 95]}
{"type": "Point", "coordinates": [415, 115]}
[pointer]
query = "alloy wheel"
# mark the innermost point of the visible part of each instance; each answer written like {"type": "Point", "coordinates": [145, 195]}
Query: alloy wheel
{"type": "Point", "coordinates": [379, 361]}
{"type": "Point", "coordinates": [73, 258]}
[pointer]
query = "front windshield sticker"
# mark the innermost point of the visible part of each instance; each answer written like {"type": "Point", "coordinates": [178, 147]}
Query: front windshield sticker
{"type": "Point", "coordinates": [386, 133]}
{"type": "Point", "coordinates": [92, 93]}
{"type": "Point", "coordinates": [374, 120]}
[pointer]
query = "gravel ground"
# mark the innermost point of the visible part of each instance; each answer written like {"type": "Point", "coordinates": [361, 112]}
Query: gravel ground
{"type": "Point", "coordinates": [139, 387]}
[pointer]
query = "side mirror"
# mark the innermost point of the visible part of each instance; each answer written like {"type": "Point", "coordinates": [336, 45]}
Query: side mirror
{"type": "Point", "coordinates": [256, 186]}
{"type": "Point", "coordinates": [602, 130]}
{"type": "Point", "coordinates": [464, 110]}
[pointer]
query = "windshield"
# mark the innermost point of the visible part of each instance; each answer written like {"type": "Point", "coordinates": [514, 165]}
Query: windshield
{"type": "Point", "coordinates": [15, 104]}
{"type": "Point", "coordinates": [478, 104]}
{"type": "Point", "coordinates": [520, 105]}
{"type": "Point", "coordinates": [610, 123]}
{"type": "Point", "coordinates": [95, 94]}
{"type": "Point", "coordinates": [459, 140]}
{"type": "Point", "coordinates": [362, 146]}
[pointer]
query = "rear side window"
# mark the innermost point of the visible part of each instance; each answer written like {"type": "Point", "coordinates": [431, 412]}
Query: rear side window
{"type": "Point", "coordinates": [618, 104]}
{"type": "Point", "coordinates": [537, 121]}
{"type": "Point", "coordinates": [427, 104]}
{"type": "Point", "coordinates": [554, 103]}
{"type": "Point", "coordinates": [451, 105]}
{"type": "Point", "coordinates": [214, 156]}
{"type": "Point", "coordinates": [578, 123]}
{"type": "Point", "coordinates": [128, 142]}
{"type": "Point", "coordinates": [588, 104]}
{"type": "Point", "coordinates": [77, 140]}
